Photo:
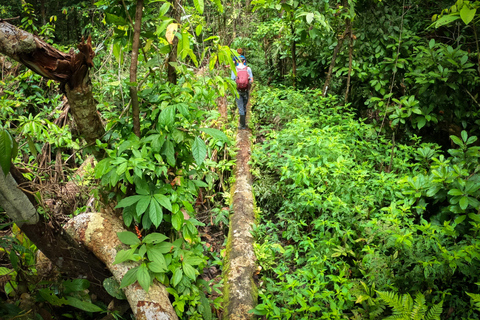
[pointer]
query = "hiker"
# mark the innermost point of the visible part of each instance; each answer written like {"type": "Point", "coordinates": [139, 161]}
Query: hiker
{"type": "Point", "coordinates": [240, 56]}
{"type": "Point", "coordinates": [244, 80]}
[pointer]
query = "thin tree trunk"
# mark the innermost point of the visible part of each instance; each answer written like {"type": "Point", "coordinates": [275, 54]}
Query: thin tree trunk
{"type": "Point", "coordinates": [42, 12]}
{"type": "Point", "coordinates": [332, 63]}
{"type": "Point", "coordinates": [350, 60]}
{"type": "Point", "coordinates": [172, 56]}
{"type": "Point", "coordinates": [294, 56]}
{"type": "Point", "coordinates": [133, 68]}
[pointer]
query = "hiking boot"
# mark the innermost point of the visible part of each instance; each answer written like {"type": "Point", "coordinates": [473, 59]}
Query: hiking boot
{"type": "Point", "coordinates": [242, 122]}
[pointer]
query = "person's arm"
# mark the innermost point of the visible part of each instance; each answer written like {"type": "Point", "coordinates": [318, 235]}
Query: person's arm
{"type": "Point", "coordinates": [232, 76]}
{"type": "Point", "coordinates": [250, 74]}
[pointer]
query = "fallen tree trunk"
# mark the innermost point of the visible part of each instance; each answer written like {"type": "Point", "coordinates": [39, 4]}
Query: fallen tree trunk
{"type": "Point", "coordinates": [49, 236]}
{"type": "Point", "coordinates": [98, 232]}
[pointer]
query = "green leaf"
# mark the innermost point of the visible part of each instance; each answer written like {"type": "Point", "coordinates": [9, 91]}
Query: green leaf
{"type": "Point", "coordinates": [83, 305]}
{"type": "Point", "coordinates": [129, 278]}
{"type": "Point", "coordinates": [199, 150]}
{"type": "Point", "coordinates": [206, 309]}
{"type": "Point", "coordinates": [198, 30]}
{"type": "Point", "coordinates": [185, 44]}
{"type": "Point", "coordinates": [142, 204]}
{"type": "Point", "coordinates": [421, 122]}
{"type": "Point", "coordinates": [457, 141]}
{"type": "Point", "coordinates": [170, 153]}
{"type": "Point", "coordinates": [464, 135]}
{"type": "Point", "coordinates": [113, 288]}
{"type": "Point", "coordinates": [455, 192]}
{"type": "Point", "coordinates": [164, 201]}
{"type": "Point", "coordinates": [154, 238]}
{"type": "Point", "coordinates": [431, 43]}
{"type": "Point", "coordinates": [75, 285]}
{"type": "Point", "coordinates": [126, 202]}
{"type": "Point", "coordinates": [193, 260]}
{"type": "Point", "coordinates": [164, 9]}
{"type": "Point", "coordinates": [163, 247]}
{"type": "Point", "coordinates": [199, 5]}
{"type": "Point", "coordinates": [4, 271]}
{"type": "Point", "coordinates": [177, 276]}
{"type": "Point", "coordinates": [467, 14]}
{"type": "Point", "coordinates": [6, 147]}
{"type": "Point", "coordinates": [309, 17]}
{"type": "Point", "coordinates": [445, 20]}
{"type": "Point", "coordinates": [463, 202]}
{"type": "Point", "coordinates": [189, 271]}
{"type": "Point", "coordinates": [167, 116]}
{"type": "Point", "coordinates": [113, 19]}
{"type": "Point", "coordinates": [157, 267]}
{"type": "Point", "coordinates": [177, 220]}
{"type": "Point", "coordinates": [155, 213]}
{"type": "Point", "coordinates": [143, 277]}
{"type": "Point", "coordinates": [215, 133]}
{"type": "Point", "coordinates": [128, 237]}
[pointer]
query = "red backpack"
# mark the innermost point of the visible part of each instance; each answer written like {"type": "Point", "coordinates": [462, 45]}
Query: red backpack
{"type": "Point", "coordinates": [242, 79]}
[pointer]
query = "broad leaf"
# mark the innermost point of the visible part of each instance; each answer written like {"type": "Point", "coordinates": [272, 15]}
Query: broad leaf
{"type": "Point", "coordinates": [167, 116]}
{"type": "Point", "coordinates": [6, 148]}
{"type": "Point", "coordinates": [169, 151]}
{"type": "Point", "coordinates": [177, 220]}
{"type": "Point", "coordinates": [199, 150]}
{"type": "Point", "coordinates": [113, 288]}
{"type": "Point", "coordinates": [164, 201]}
{"type": "Point", "coordinates": [143, 277]}
{"type": "Point", "coordinates": [467, 14]}
{"type": "Point", "coordinates": [155, 238]}
{"type": "Point", "coordinates": [128, 237]}
{"type": "Point", "coordinates": [189, 271]}
{"type": "Point", "coordinates": [171, 29]}
{"type": "Point", "coordinates": [83, 305]}
{"type": "Point", "coordinates": [142, 204]}
{"type": "Point", "coordinates": [177, 276]}
{"type": "Point", "coordinates": [129, 278]}
{"type": "Point", "coordinates": [215, 133]}
{"type": "Point", "coordinates": [126, 202]}
{"type": "Point", "coordinates": [199, 5]}
{"type": "Point", "coordinates": [156, 213]}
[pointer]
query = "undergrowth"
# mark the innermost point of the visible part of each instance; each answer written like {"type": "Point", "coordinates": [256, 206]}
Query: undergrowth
{"type": "Point", "coordinates": [346, 213]}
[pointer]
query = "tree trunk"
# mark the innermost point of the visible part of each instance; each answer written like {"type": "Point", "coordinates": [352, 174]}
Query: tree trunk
{"type": "Point", "coordinates": [294, 56]}
{"type": "Point", "coordinates": [332, 63]}
{"type": "Point", "coordinates": [133, 68]}
{"type": "Point", "coordinates": [350, 60]}
{"type": "Point", "coordinates": [42, 12]}
{"type": "Point", "coordinates": [71, 69]}
{"type": "Point", "coordinates": [172, 56]}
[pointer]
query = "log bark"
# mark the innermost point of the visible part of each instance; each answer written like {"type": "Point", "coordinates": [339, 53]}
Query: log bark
{"type": "Point", "coordinates": [70, 69]}
{"type": "Point", "coordinates": [98, 232]}
{"type": "Point", "coordinates": [240, 291]}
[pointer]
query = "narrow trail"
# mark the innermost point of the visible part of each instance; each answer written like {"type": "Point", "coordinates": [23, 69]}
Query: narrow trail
{"type": "Point", "coordinates": [240, 291]}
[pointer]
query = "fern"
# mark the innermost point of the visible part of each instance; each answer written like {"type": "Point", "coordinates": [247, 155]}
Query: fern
{"type": "Point", "coordinates": [475, 299]}
{"type": "Point", "coordinates": [404, 308]}
{"type": "Point", "coordinates": [435, 312]}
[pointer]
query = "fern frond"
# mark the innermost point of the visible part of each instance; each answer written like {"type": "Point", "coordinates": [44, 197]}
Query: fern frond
{"type": "Point", "coordinates": [419, 308]}
{"type": "Point", "coordinates": [378, 311]}
{"type": "Point", "coordinates": [392, 299]}
{"type": "Point", "coordinates": [397, 317]}
{"type": "Point", "coordinates": [435, 311]}
{"type": "Point", "coordinates": [475, 299]}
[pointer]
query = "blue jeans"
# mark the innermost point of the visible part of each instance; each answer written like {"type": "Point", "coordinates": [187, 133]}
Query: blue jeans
{"type": "Point", "coordinates": [242, 101]}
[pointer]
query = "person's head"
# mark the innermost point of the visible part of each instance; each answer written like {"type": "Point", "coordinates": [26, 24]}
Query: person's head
{"type": "Point", "coordinates": [244, 61]}
{"type": "Point", "coordinates": [240, 51]}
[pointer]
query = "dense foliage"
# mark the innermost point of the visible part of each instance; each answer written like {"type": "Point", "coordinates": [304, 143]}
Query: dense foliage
{"type": "Point", "coordinates": [366, 157]}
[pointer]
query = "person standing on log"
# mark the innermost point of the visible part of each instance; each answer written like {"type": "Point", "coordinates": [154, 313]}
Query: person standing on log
{"type": "Point", "coordinates": [244, 80]}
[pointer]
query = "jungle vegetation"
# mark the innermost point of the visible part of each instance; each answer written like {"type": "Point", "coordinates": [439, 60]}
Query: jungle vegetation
{"type": "Point", "coordinates": [365, 116]}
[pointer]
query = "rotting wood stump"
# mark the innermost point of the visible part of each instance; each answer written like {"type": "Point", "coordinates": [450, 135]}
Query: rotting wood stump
{"type": "Point", "coordinates": [240, 291]}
